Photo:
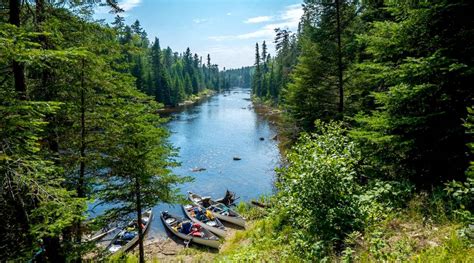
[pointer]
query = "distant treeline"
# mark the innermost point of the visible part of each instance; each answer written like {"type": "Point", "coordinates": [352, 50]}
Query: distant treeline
{"type": "Point", "coordinates": [170, 77]}
{"type": "Point", "coordinates": [241, 77]}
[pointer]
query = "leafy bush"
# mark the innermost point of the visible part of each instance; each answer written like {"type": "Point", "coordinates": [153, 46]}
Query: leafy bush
{"type": "Point", "coordinates": [463, 195]}
{"type": "Point", "coordinates": [463, 192]}
{"type": "Point", "coordinates": [319, 193]}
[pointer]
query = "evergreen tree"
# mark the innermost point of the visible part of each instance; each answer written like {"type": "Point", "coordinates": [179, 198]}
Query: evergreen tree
{"type": "Point", "coordinates": [157, 71]}
{"type": "Point", "coordinates": [422, 73]}
{"type": "Point", "coordinates": [257, 82]}
{"type": "Point", "coordinates": [139, 164]}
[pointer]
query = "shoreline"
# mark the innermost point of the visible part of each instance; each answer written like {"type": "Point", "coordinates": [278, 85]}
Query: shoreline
{"type": "Point", "coordinates": [275, 116]}
{"type": "Point", "coordinates": [168, 249]}
{"type": "Point", "coordinates": [207, 93]}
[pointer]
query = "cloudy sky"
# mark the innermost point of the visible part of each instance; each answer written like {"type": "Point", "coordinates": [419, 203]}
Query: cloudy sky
{"type": "Point", "coordinates": [227, 29]}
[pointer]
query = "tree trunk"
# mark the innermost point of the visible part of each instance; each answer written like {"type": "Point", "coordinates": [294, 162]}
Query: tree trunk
{"type": "Point", "coordinates": [339, 58]}
{"type": "Point", "coordinates": [20, 88]}
{"type": "Point", "coordinates": [52, 249]}
{"type": "Point", "coordinates": [39, 12]}
{"type": "Point", "coordinates": [46, 74]}
{"type": "Point", "coordinates": [82, 165]}
{"type": "Point", "coordinates": [139, 219]}
{"type": "Point", "coordinates": [18, 68]}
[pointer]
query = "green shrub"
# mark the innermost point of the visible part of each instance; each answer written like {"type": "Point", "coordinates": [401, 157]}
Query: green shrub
{"type": "Point", "coordinates": [319, 193]}
{"type": "Point", "coordinates": [454, 249]}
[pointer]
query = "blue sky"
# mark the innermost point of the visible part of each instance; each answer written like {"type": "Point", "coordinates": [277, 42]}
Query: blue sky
{"type": "Point", "coordinates": [226, 29]}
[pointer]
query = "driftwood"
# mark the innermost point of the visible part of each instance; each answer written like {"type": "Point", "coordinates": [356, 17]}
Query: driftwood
{"type": "Point", "coordinates": [262, 205]}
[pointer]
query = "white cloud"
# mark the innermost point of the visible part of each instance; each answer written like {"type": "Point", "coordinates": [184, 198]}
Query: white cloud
{"type": "Point", "coordinates": [128, 5]}
{"type": "Point", "coordinates": [258, 19]}
{"type": "Point", "coordinates": [199, 20]}
{"type": "Point", "coordinates": [262, 33]}
{"type": "Point", "coordinates": [289, 19]}
{"type": "Point", "coordinates": [293, 13]}
{"type": "Point", "coordinates": [229, 14]}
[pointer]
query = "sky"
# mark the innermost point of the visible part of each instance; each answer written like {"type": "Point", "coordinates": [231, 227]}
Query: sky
{"type": "Point", "coordinates": [225, 29]}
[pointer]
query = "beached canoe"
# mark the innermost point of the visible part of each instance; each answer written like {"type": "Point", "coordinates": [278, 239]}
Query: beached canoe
{"type": "Point", "coordinates": [219, 210]}
{"type": "Point", "coordinates": [202, 237]}
{"type": "Point", "coordinates": [98, 235]}
{"type": "Point", "coordinates": [128, 237]}
{"type": "Point", "coordinates": [212, 223]}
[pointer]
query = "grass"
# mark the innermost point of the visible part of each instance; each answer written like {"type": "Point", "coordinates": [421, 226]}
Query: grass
{"type": "Point", "coordinates": [454, 249]}
{"type": "Point", "coordinates": [422, 232]}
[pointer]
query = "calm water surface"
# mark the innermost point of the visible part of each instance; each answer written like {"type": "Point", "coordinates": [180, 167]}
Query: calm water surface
{"type": "Point", "coordinates": [209, 135]}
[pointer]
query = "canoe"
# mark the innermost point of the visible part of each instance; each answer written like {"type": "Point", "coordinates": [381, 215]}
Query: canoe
{"type": "Point", "coordinates": [98, 235]}
{"type": "Point", "coordinates": [218, 210]}
{"type": "Point", "coordinates": [213, 225]}
{"type": "Point", "coordinates": [121, 242]}
{"type": "Point", "coordinates": [173, 223]}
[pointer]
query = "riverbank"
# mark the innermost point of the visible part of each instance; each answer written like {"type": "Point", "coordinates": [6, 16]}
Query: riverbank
{"type": "Point", "coordinates": [286, 131]}
{"type": "Point", "coordinates": [191, 100]}
{"type": "Point", "coordinates": [421, 231]}
{"type": "Point", "coordinates": [403, 236]}
{"type": "Point", "coordinates": [171, 249]}
{"type": "Point", "coordinates": [198, 97]}
{"type": "Point", "coordinates": [210, 134]}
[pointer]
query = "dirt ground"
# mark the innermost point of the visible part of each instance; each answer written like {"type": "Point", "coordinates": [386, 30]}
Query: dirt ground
{"type": "Point", "coordinates": [172, 249]}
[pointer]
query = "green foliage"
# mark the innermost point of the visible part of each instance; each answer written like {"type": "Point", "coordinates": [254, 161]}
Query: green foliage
{"type": "Point", "coordinates": [33, 202]}
{"type": "Point", "coordinates": [167, 76]}
{"type": "Point", "coordinates": [271, 74]}
{"type": "Point", "coordinates": [405, 235]}
{"type": "Point", "coordinates": [319, 190]}
{"type": "Point", "coordinates": [238, 77]}
{"type": "Point", "coordinates": [454, 249]}
{"type": "Point", "coordinates": [405, 69]}
{"type": "Point", "coordinates": [419, 86]}
{"type": "Point", "coordinates": [307, 84]}
{"type": "Point", "coordinates": [139, 151]}
{"type": "Point", "coordinates": [80, 125]}
{"type": "Point", "coordinates": [251, 212]}
{"type": "Point", "coordinates": [262, 242]}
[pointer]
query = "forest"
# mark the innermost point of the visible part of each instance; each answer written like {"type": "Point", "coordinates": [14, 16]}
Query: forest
{"type": "Point", "coordinates": [169, 77]}
{"type": "Point", "coordinates": [378, 100]}
{"type": "Point", "coordinates": [78, 122]}
{"type": "Point", "coordinates": [374, 96]}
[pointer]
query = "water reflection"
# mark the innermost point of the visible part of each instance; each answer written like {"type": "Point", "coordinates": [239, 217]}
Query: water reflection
{"type": "Point", "coordinates": [209, 135]}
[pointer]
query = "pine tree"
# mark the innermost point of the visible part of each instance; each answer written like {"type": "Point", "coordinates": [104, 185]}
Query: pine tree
{"type": "Point", "coordinates": [140, 162]}
{"type": "Point", "coordinates": [257, 83]}
{"type": "Point", "coordinates": [421, 84]}
{"type": "Point", "coordinates": [157, 71]}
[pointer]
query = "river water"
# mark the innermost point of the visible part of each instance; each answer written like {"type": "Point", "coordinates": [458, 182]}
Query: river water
{"type": "Point", "coordinates": [209, 134]}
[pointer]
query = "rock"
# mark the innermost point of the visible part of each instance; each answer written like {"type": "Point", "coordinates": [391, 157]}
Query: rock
{"type": "Point", "coordinates": [432, 243]}
{"type": "Point", "coordinates": [275, 137]}
{"type": "Point", "coordinates": [237, 158]}
{"type": "Point", "coordinates": [198, 169]}
{"type": "Point", "coordinates": [261, 138]}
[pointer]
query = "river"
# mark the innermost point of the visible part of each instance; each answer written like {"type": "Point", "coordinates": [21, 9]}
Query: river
{"type": "Point", "coordinates": [208, 135]}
